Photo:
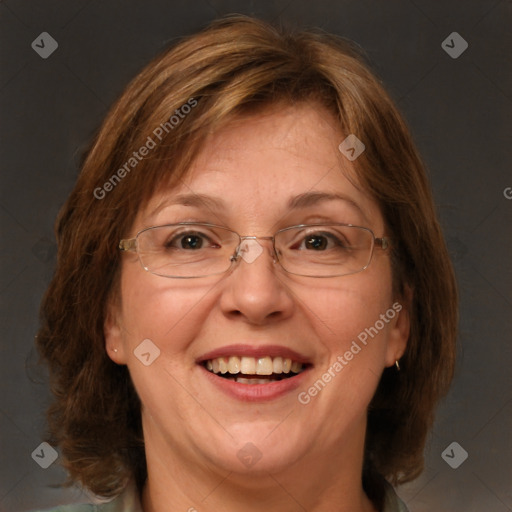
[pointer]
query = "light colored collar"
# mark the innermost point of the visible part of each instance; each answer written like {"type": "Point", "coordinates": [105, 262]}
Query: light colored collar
{"type": "Point", "coordinates": [392, 503]}
{"type": "Point", "coordinates": [129, 501]}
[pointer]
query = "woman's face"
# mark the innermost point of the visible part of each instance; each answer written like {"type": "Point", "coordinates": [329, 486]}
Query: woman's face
{"type": "Point", "coordinates": [249, 177]}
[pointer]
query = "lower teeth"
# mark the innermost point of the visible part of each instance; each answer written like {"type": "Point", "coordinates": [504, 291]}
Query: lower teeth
{"type": "Point", "coordinates": [267, 379]}
{"type": "Point", "coordinates": [242, 380]}
{"type": "Point", "coordinates": [246, 380]}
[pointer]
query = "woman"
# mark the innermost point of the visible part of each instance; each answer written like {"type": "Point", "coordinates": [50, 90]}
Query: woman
{"type": "Point", "coordinates": [253, 305]}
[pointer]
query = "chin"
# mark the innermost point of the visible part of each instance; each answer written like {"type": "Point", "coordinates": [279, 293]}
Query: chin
{"type": "Point", "coordinates": [256, 449]}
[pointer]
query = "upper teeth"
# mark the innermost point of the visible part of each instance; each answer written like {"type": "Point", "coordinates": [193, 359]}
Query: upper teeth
{"type": "Point", "coordinates": [253, 366]}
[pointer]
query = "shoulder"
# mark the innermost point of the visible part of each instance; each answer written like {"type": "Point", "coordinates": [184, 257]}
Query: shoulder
{"type": "Point", "coordinates": [73, 508]}
{"type": "Point", "coordinates": [128, 501]}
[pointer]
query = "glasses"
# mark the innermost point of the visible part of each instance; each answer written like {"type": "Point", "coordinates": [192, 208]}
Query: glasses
{"type": "Point", "coordinates": [191, 250]}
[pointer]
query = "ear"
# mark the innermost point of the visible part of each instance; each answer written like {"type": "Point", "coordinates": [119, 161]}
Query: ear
{"type": "Point", "coordinates": [400, 327]}
{"type": "Point", "coordinates": [112, 331]}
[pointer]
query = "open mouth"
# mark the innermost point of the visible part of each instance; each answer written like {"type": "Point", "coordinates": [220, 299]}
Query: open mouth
{"type": "Point", "coordinates": [254, 370]}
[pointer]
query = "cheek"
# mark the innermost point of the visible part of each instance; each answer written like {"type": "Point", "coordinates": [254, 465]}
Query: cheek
{"type": "Point", "coordinates": [352, 321]}
{"type": "Point", "coordinates": [167, 312]}
{"type": "Point", "coordinates": [346, 307]}
{"type": "Point", "coordinates": [353, 341]}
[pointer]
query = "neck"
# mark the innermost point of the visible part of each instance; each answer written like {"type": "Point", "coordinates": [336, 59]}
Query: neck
{"type": "Point", "coordinates": [326, 481]}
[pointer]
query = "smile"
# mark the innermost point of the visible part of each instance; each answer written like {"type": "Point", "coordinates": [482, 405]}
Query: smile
{"type": "Point", "coordinates": [254, 370]}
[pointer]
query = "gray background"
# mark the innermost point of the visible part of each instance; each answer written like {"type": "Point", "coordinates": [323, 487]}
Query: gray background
{"type": "Point", "coordinates": [459, 111]}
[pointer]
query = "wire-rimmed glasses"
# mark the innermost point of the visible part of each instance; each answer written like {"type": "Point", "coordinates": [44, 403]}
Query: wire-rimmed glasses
{"type": "Point", "coordinates": [191, 250]}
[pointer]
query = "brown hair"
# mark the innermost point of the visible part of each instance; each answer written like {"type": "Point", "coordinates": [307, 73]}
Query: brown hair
{"type": "Point", "coordinates": [236, 65]}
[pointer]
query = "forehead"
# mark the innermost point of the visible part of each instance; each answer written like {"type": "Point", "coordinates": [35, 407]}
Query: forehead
{"type": "Point", "coordinates": [256, 165]}
{"type": "Point", "coordinates": [280, 141]}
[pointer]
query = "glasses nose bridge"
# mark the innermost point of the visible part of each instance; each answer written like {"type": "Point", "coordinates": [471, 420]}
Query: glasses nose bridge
{"type": "Point", "coordinates": [240, 248]}
{"type": "Point", "coordinates": [256, 238]}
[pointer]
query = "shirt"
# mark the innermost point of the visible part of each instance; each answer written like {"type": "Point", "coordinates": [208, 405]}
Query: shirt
{"type": "Point", "coordinates": [129, 501]}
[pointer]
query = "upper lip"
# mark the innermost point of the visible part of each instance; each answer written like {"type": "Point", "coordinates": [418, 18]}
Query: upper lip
{"type": "Point", "coordinates": [254, 351]}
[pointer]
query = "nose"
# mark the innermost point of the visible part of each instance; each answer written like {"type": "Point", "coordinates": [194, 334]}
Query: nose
{"type": "Point", "coordinates": [255, 289]}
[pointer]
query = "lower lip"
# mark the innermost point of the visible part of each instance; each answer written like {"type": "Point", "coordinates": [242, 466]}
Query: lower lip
{"type": "Point", "coordinates": [256, 392]}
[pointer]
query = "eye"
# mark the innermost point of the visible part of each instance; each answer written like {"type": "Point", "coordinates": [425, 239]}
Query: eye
{"type": "Point", "coordinates": [191, 241]}
{"type": "Point", "coordinates": [316, 242]}
{"type": "Point", "coordinates": [321, 242]}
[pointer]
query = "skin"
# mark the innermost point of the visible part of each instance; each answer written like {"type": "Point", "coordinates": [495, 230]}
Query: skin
{"type": "Point", "coordinates": [311, 454]}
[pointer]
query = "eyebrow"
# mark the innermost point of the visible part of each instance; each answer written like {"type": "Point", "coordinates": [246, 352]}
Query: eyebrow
{"type": "Point", "coordinates": [313, 198]}
{"type": "Point", "coordinates": [301, 201]}
{"type": "Point", "coordinates": [194, 200]}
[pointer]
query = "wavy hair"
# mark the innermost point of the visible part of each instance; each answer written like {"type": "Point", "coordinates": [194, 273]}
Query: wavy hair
{"type": "Point", "coordinates": [234, 66]}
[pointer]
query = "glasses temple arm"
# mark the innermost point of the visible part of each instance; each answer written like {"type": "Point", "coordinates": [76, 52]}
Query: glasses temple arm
{"type": "Point", "coordinates": [383, 242]}
{"type": "Point", "coordinates": [128, 244]}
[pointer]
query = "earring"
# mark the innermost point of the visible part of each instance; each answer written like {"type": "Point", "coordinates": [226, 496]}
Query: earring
{"type": "Point", "coordinates": [115, 350]}
{"type": "Point", "coordinates": [397, 366]}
